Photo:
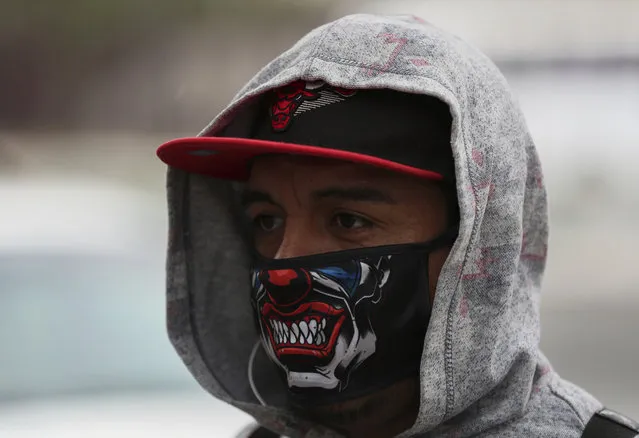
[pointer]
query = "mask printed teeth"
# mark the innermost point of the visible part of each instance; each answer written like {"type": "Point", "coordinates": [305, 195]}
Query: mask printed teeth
{"type": "Point", "coordinates": [297, 333]}
{"type": "Point", "coordinates": [311, 329]}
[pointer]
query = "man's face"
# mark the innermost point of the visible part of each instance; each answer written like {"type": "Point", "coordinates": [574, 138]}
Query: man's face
{"type": "Point", "coordinates": [305, 206]}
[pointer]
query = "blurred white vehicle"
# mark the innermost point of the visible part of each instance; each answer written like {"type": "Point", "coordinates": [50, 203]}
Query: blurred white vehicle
{"type": "Point", "coordinates": [83, 343]}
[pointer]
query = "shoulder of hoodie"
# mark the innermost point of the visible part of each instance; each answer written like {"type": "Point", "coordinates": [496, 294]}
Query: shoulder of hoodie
{"type": "Point", "coordinates": [557, 409]}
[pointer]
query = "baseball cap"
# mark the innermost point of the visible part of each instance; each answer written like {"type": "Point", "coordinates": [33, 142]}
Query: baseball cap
{"type": "Point", "coordinates": [402, 132]}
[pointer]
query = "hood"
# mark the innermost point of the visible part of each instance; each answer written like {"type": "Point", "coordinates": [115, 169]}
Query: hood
{"type": "Point", "coordinates": [480, 362]}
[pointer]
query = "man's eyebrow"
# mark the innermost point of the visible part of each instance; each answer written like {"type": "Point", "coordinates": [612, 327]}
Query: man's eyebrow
{"type": "Point", "coordinates": [248, 197]}
{"type": "Point", "coordinates": [357, 194]}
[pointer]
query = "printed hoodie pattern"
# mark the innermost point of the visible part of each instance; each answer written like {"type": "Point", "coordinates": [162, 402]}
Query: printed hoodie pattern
{"type": "Point", "coordinates": [482, 373]}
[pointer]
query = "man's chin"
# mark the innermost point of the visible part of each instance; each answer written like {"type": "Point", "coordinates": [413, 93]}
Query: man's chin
{"type": "Point", "coordinates": [347, 413]}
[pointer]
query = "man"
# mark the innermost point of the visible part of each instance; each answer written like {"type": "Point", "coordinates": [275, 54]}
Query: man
{"type": "Point", "coordinates": [357, 245]}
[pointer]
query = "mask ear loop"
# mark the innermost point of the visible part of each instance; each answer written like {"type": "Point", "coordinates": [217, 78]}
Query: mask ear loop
{"type": "Point", "coordinates": [250, 373]}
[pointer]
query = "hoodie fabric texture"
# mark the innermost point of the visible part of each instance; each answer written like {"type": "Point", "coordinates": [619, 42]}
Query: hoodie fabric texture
{"type": "Point", "coordinates": [482, 373]}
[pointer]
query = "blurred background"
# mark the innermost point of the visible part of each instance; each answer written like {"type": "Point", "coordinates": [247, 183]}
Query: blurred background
{"type": "Point", "coordinates": [91, 88]}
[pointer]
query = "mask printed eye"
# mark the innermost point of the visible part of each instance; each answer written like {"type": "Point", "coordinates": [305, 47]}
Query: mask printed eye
{"type": "Point", "coordinates": [348, 278]}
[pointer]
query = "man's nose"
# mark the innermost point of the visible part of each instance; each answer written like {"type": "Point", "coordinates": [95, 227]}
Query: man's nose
{"type": "Point", "coordinates": [301, 239]}
{"type": "Point", "coordinates": [286, 287]}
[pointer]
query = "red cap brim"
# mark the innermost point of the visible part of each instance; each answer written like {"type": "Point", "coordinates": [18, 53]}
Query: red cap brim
{"type": "Point", "coordinates": [229, 158]}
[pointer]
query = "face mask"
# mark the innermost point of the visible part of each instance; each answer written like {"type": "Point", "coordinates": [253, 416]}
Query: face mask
{"type": "Point", "coordinates": [344, 324]}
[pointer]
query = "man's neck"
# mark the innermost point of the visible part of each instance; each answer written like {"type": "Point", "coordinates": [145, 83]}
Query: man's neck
{"type": "Point", "coordinates": [381, 415]}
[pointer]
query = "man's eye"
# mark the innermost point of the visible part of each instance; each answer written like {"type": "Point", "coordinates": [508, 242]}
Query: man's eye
{"type": "Point", "coordinates": [350, 221]}
{"type": "Point", "coordinates": [267, 223]}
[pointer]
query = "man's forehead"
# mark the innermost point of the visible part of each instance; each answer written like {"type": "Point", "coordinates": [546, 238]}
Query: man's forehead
{"type": "Point", "coordinates": [317, 179]}
{"type": "Point", "coordinates": [337, 191]}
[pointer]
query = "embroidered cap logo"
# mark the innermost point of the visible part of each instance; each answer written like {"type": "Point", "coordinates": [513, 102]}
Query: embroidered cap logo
{"type": "Point", "coordinates": [301, 96]}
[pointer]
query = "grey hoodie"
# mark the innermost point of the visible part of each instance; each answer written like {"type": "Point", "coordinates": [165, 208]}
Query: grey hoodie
{"type": "Point", "coordinates": [482, 373]}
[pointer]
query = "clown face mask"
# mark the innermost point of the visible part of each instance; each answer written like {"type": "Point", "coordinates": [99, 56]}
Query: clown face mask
{"type": "Point", "coordinates": [343, 324]}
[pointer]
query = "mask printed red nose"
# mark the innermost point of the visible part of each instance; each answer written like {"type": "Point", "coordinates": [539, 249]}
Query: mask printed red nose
{"type": "Point", "coordinates": [286, 287]}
